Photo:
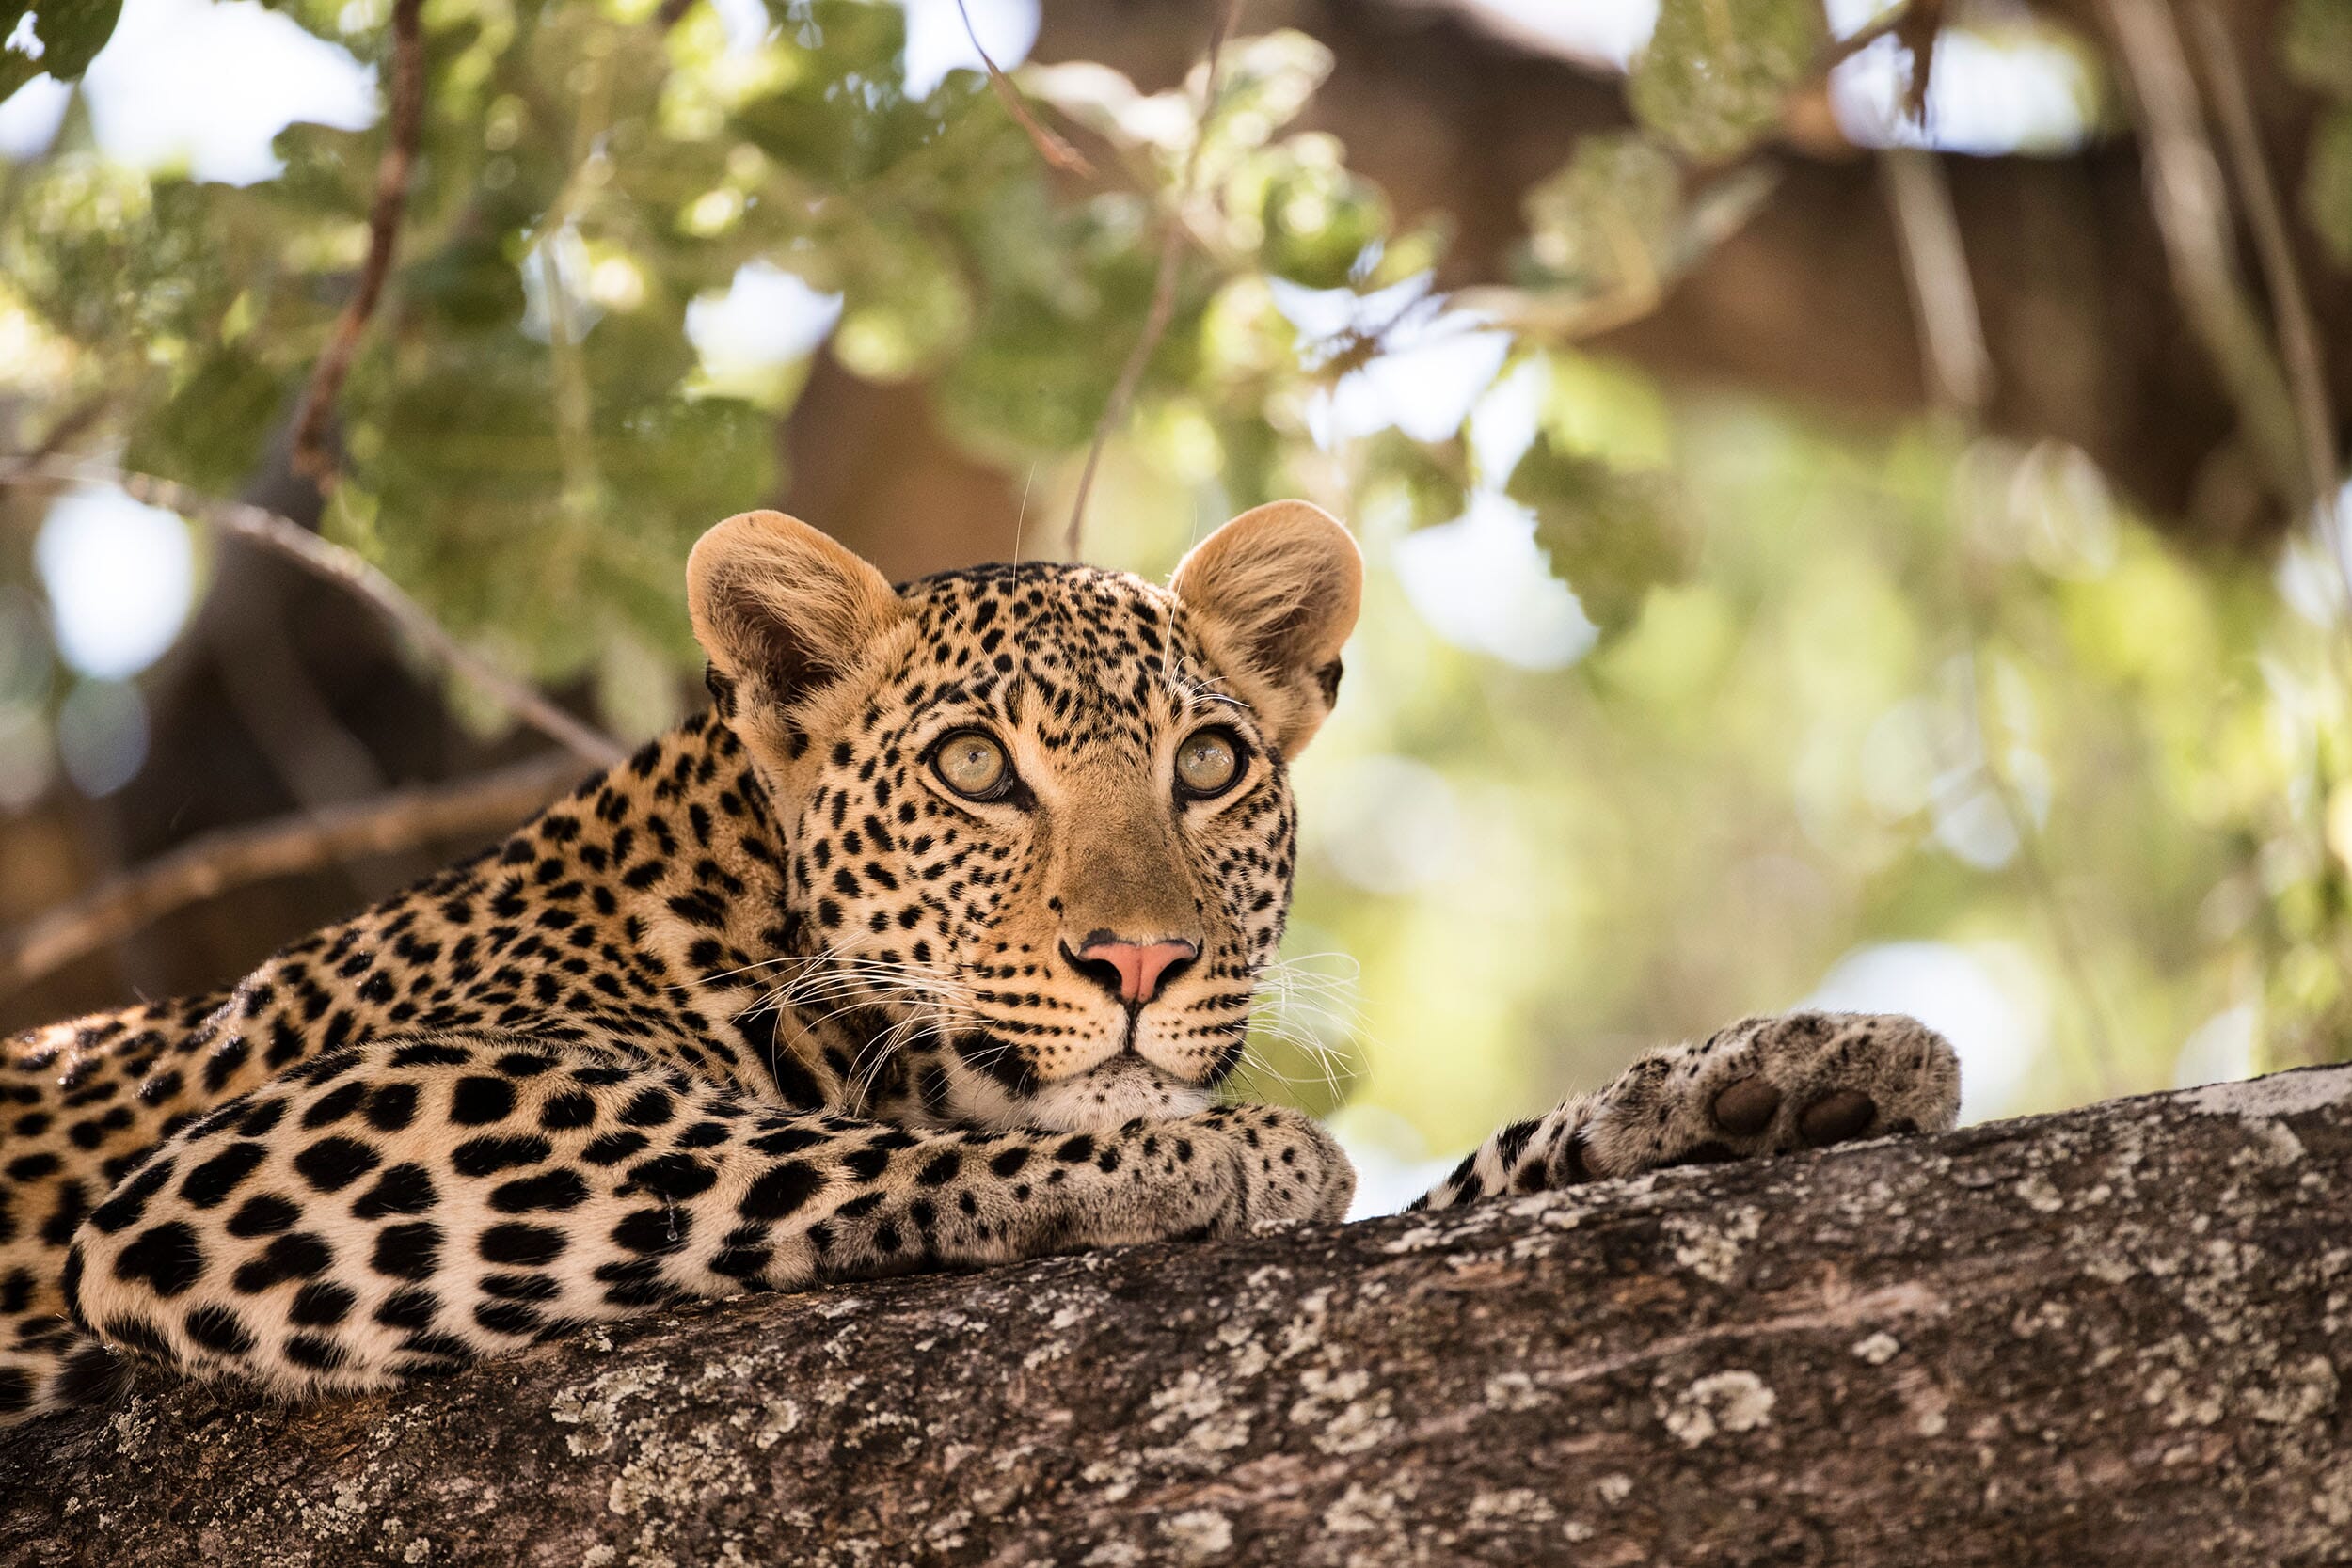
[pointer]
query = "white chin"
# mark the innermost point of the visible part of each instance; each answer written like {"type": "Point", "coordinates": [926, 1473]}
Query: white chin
{"type": "Point", "coordinates": [1109, 1097]}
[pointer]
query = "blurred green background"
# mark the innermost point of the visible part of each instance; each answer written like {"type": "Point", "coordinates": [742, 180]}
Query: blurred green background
{"type": "Point", "coordinates": [1723, 652]}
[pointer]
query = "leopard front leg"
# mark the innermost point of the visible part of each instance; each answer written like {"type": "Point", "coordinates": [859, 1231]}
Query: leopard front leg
{"type": "Point", "coordinates": [417, 1203]}
{"type": "Point", "coordinates": [1763, 1085]}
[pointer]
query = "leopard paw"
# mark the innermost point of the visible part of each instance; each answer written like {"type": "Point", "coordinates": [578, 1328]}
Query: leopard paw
{"type": "Point", "coordinates": [1284, 1169]}
{"type": "Point", "coordinates": [1770, 1085]}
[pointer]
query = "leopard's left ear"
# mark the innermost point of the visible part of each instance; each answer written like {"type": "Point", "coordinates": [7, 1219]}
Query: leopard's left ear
{"type": "Point", "coordinates": [1276, 592]}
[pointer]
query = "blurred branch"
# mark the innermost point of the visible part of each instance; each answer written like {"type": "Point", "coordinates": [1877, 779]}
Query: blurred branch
{"type": "Point", "coordinates": [1917, 25]}
{"type": "Point", "coordinates": [292, 726]}
{"type": "Point", "coordinates": [1051, 148]}
{"type": "Point", "coordinates": [332, 561]}
{"type": "Point", "coordinates": [1954, 359]}
{"type": "Point", "coordinates": [1958, 369]}
{"type": "Point", "coordinates": [216, 863]}
{"type": "Point", "coordinates": [1172, 234]}
{"type": "Point", "coordinates": [2290, 303]}
{"type": "Point", "coordinates": [69, 425]}
{"type": "Point", "coordinates": [405, 126]}
{"type": "Point", "coordinates": [2192, 215]}
{"type": "Point", "coordinates": [1897, 19]}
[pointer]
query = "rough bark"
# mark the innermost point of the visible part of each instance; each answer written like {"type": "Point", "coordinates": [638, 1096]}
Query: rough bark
{"type": "Point", "coordinates": [2112, 1336]}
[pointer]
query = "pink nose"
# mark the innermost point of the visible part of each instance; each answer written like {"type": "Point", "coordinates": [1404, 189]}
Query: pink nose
{"type": "Point", "coordinates": [1140, 966]}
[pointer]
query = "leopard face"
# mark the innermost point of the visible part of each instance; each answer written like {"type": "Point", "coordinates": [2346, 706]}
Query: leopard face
{"type": "Point", "coordinates": [1043, 827]}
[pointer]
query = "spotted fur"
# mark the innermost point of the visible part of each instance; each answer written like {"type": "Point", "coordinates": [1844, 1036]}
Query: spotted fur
{"type": "Point", "coordinates": [768, 1005]}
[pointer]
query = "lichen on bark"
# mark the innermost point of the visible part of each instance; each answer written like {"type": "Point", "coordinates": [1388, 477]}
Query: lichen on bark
{"type": "Point", "coordinates": [2113, 1335]}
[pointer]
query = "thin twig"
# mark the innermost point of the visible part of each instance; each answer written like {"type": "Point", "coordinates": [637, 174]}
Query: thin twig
{"type": "Point", "coordinates": [1885, 24]}
{"type": "Point", "coordinates": [1155, 320]}
{"type": "Point", "coordinates": [1051, 148]}
{"type": "Point", "coordinates": [216, 863]}
{"type": "Point", "coordinates": [2290, 304]}
{"type": "Point", "coordinates": [404, 127]}
{"type": "Point", "coordinates": [324, 558]}
{"type": "Point", "coordinates": [1959, 372]}
{"type": "Point", "coordinates": [1957, 365]}
{"type": "Point", "coordinates": [1917, 25]}
{"type": "Point", "coordinates": [2193, 217]}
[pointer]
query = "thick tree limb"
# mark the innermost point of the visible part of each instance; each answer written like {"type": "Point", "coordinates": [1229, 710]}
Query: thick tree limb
{"type": "Point", "coordinates": [217, 862]}
{"type": "Point", "coordinates": [2115, 1336]}
{"type": "Point", "coordinates": [403, 124]}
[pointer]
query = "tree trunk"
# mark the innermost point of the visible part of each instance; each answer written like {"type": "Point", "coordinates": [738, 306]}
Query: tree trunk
{"type": "Point", "coordinates": [2111, 1336]}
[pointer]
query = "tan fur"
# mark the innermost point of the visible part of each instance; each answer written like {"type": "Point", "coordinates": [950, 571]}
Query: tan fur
{"type": "Point", "coordinates": [762, 584]}
{"type": "Point", "coordinates": [771, 1003]}
{"type": "Point", "coordinates": [1277, 591]}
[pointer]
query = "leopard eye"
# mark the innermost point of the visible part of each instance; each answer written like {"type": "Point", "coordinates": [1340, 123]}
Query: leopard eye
{"type": "Point", "coordinates": [1208, 763]}
{"type": "Point", "coordinates": [974, 766]}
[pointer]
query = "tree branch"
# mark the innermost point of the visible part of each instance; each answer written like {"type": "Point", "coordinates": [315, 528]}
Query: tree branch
{"type": "Point", "coordinates": [1172, 236]}
{"type": "Point", "coordinates": [2192, 213]}
{"type": "Point", "coordinates": [323, 558]}
{"type": "Point", "coordinates": [2290, 303]}
{"type": "Point", "coordinates": [1886, 25]}
{"type": "Point", "coordinates": [217, 862]}
{"type": "Point", "coordinates": [405, 125]}
{"type": "Point", "coordinates": [1053, 148]}
{"type": "Point", "coordinates": [1955, 363]}
{"type": "Point", "coordinates": [2107, 1337]}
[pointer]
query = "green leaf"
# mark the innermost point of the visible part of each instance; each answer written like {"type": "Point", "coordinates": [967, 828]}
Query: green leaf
{"type": "Point", "coordinates": [469, 285]}
{"type": "Point", "coordinates": [1611, 232]}
{"type": "Point", "coordinates": [1613, 535]}
{"type": "Point", "coordinates": [209, 433]}
{"type": "Point", "coordinates": [71, 32]}
{"type": "Point", "coordinates": [1712, 80]}
{"type": "Point", "coordinates": [1262, 85]}
{"type": "Point", "coordinates": [1318, 218]}
{"type": "Point", "coordinates": [1605, 224]}
{"type": "Point", "coordinates": [1425, 483]}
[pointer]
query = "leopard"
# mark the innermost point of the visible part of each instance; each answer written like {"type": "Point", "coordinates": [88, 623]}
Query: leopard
{"type": "Point", "coordinates": [931, 943]}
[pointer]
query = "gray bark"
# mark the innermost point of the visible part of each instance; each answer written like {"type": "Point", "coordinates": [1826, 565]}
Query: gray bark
{"type": "Point", "coordinates": [2112, 1336]}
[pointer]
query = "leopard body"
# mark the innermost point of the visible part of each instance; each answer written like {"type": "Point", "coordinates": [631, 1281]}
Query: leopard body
{"type": "Point", "coordinates": [774, 1003]}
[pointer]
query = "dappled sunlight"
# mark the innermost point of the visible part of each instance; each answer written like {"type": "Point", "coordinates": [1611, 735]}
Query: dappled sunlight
{"type": "Point", "coordinates": [206, 85]}
{"type": "Point", "coordinates": [120, 577]}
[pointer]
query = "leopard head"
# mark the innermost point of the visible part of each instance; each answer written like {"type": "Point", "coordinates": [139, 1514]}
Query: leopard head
{"type": "Point", "coordinates": [1041, 835]}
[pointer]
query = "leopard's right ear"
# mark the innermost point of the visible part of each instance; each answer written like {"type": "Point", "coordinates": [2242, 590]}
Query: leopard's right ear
{"type": "Point", "coordinates": [781, 609]}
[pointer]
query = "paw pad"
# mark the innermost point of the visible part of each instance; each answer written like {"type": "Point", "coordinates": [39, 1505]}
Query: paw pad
{"type": "Point", "coordinates": [1836, 1116]}
{"type": "Point", "coordinates": [1746, 1108]}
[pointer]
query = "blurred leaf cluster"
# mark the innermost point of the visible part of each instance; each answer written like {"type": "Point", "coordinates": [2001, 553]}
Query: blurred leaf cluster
{"type": "Point", "coordinates": [1804, 690]}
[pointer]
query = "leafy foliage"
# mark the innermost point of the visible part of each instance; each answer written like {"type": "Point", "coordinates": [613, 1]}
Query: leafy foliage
{"type": "Point", "coordinates": [1832, 688]}
{"type": "Point", "coordinates": [65, 37]}
{"type": "Point", "coordinates": [1717, 72]}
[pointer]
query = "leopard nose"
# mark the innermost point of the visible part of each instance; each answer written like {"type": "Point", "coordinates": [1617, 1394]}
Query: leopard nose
{"type": "Point", "coordinates": [1130, 970]}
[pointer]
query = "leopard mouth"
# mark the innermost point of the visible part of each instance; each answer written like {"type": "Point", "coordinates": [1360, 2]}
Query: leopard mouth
{"type": "Point", "coordinates": [1001, 1087]}
{"type": "Point", "coordinates": [1123, 1089]}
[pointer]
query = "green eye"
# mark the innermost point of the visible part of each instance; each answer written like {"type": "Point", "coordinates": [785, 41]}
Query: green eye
{"type": "Point", "coordinates": [973, 764]}
{"type": "Point", "coordinates": [1208, 763]}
